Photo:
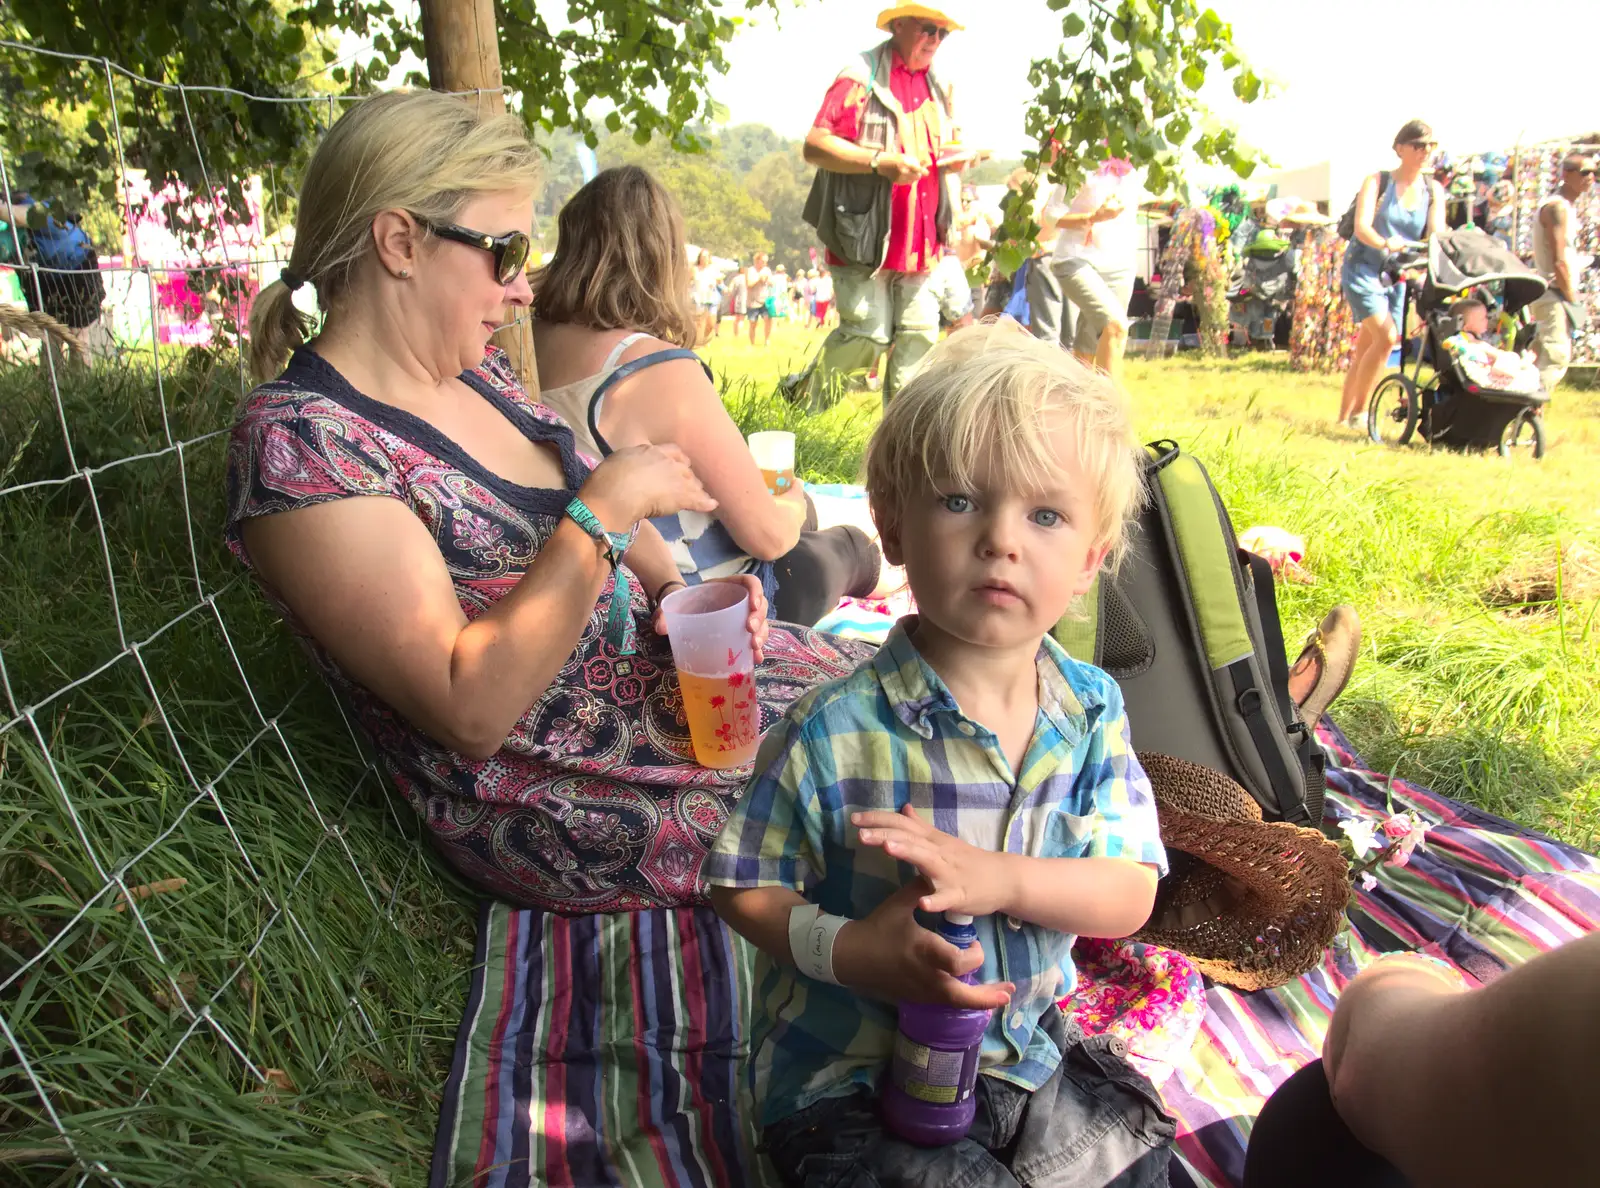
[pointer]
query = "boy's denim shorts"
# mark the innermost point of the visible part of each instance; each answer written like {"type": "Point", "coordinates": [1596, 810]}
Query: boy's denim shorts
{"type": "Point", "coordinates": [1096, 1122]}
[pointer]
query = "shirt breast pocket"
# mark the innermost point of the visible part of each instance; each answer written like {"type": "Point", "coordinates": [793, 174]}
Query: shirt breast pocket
{"type": "Point", "coordinates": [1067, 835]}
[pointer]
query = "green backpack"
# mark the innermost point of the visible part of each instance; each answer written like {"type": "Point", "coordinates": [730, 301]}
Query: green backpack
{"type": "Point", "coordinates": [1189, 628]}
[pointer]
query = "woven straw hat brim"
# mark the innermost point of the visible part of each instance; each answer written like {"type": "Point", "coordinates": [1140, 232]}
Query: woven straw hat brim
{"type": "Point", "coordinates": [926, 12]}
{"type": "Point", "coordinates": [1265, 898]}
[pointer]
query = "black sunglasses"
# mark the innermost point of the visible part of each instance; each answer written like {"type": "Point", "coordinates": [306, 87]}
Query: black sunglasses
{"type": "Point", "coordinates": [510, 250]}
{"type": "Point", "coordinates": [1421, 144]}
{"type": "Point", "coordinates": [1589, 172]}
{"type": "Point", "coordinates": [929, 29]}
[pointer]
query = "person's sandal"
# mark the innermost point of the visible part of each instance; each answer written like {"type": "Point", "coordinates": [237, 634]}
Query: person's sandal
{"type": "Point", "coordinates": [1333, 647]}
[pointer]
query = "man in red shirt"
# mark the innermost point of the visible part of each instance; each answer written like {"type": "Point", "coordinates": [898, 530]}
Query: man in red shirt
{"type": "Point", "coordinates": [879, 202]}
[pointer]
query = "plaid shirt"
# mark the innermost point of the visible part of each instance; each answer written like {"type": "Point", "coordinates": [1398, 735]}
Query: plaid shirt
{"type": "Point", "coordinates": [891, 734]}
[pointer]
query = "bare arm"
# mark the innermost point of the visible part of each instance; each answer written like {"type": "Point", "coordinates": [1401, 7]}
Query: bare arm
{"type": "Point", "coordinates": [887, 955]}
{"type": "Point", "coordinates": [838, 155]}
{"type": "Point", "coordinates": [1553, 225]}
{"type": "Point", "coordinates": [1486, 1087]}
{"type": "Point", "coordinates": [675, 402]}
{"type": "Point", "coordinates": [1109, 897]}
{"type": "Point", "coordinates": [1366, 211]}
{"type": "Point", "coordinates": [368, 582]}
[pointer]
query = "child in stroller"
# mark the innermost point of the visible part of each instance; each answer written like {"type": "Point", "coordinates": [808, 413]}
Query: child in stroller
{"type": "Point", "coordinates": [1481, 361]}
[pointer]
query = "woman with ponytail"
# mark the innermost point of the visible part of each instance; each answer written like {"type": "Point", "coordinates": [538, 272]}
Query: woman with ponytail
{"type": "Point", "coordinates": [483, 595]}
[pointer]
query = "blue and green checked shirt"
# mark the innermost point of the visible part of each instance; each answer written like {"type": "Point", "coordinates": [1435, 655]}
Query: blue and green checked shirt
{"type": "Point", "coordinates": [891, 734]}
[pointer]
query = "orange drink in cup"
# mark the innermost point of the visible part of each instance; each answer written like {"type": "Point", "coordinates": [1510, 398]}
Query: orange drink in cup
{"type": "Point", "coordinates": [774, 454]}
{"type": "Point", "coordinates": [707, 627]}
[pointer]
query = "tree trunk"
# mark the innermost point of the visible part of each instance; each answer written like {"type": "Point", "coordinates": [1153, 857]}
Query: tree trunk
{"type": "Point", "coordinates": [463, 47]}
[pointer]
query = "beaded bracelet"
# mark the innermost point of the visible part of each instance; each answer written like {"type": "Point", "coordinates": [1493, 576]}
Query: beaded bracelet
{"type": "Point", "coordinates": [619, 620]}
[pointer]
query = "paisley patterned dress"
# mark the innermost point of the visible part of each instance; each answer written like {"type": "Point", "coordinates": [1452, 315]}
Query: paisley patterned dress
{"type": "Point", "coordinates": [594, 803]}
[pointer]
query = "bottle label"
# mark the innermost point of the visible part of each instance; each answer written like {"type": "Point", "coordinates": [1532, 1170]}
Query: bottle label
{"type": "Point", "coordinates": [939, 1076]}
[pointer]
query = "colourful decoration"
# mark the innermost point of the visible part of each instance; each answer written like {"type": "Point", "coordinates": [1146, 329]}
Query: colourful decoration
{"type": "Point", "coordinates": [1322, 334]}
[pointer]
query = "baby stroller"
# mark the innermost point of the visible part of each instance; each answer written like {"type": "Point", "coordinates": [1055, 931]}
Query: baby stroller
{"type": "Point", "coordinates": [1453, 407]}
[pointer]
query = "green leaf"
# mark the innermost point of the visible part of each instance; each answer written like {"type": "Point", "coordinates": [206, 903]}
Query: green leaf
{"type": "Point", "coordinates": [1194, 76]}
{"type": "Point", "coordinates": [1071, 25]}
{"type": "Point", "coordinates": [1010, 256]}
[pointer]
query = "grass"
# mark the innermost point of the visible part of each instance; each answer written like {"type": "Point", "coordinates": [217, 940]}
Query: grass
{"type": "Point", "coordinates": [335, 956]}
{"type": "Point", "coordinates": [304, 919]}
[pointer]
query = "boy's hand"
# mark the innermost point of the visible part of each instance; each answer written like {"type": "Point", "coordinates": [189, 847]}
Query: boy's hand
{"type": "Point", "coordinates": [965, 879]}
{"type": "Point", "coordinates": [890, 956]}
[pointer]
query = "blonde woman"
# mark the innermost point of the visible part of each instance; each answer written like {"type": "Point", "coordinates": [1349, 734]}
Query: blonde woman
{"type": "Point", "coordinates": [612, 331]}
{"type": "Point", "coordinates": [433, 536]}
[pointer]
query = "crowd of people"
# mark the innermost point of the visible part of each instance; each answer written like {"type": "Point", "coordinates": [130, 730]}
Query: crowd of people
{"type": "Point", "coordinates": [756, 294]}
{"type": "Point", "coordinates": [479, 570]}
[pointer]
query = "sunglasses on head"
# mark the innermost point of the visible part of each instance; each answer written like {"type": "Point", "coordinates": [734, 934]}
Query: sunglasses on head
{"type": "Point", "coordinates": [510, 250]}
{"type": "Point", "coordinates": [929, 29]}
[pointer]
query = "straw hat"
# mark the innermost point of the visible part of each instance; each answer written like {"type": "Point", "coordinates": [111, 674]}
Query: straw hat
{"type": "Point", "coordinates": [1254, 903]}
{"type": "Point", "coordinates": [926, 12]}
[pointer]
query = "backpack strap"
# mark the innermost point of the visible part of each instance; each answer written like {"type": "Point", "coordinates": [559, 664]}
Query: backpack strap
{"type": "Point", "coordinates": [1214, 599]}
{"type": "Point", "coordinates": [1313, 763]}
{"type": "Point", "coordinates": [622, 373]}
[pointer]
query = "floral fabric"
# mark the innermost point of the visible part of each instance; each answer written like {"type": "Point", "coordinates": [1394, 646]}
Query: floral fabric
{"type": "Point", "coordinates": [594, 803]}
{"type": "Point", "coordinates": [1153, 999]}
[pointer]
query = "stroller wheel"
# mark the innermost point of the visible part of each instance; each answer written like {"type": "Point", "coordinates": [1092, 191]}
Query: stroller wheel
{"type": "Point", "coordinates": [1524, 436]}
{"type": "Point", "coordinates": [1392, 411]}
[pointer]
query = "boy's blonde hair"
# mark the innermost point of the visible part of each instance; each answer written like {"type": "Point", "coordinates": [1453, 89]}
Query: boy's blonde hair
{"type": "Point", "coordinates": [994, 390]}
{"type": "Point", "coordinates": [418, 151]}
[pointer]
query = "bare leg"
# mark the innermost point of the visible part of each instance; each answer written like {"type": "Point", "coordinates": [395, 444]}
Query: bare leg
{"type": "Point", "coordinates": [1108, 353]}
{"type": "Point", "coordinates": [1374, 341]}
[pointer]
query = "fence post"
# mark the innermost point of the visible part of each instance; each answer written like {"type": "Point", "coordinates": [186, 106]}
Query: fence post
{"type": "Point", "coordinates": [463, 47]}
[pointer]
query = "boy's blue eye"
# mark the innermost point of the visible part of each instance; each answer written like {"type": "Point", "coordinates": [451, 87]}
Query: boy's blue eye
{"type": "Point", "coordinates": [956, 503]}
{"type": "Point", "coordinates": [1047, 518]}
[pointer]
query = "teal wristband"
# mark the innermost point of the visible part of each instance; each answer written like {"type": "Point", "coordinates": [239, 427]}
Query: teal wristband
{"type": "Point", "coordinates": [619, 619]}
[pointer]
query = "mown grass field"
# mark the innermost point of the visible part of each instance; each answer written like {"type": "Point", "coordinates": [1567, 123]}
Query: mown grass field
{"type": "Point", "coordinates": [215, 870]}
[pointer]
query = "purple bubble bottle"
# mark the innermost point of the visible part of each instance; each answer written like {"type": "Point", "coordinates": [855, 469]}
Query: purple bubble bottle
{"type": "Point", "coordinates": [928, 1095]}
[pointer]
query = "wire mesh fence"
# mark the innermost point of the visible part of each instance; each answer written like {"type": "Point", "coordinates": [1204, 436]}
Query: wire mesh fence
{"type": "Point", "coordinates": [224, 955]}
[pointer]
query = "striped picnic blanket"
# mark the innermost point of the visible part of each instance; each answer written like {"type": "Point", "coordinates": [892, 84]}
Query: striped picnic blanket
{"type": "Point", "coordinates": [610, 1050]}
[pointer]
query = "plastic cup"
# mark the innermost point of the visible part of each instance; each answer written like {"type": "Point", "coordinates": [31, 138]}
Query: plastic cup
{"type": "Point", "coordinates": [774, 454]}
{"type": "Point", "coordinates": [708, 629]}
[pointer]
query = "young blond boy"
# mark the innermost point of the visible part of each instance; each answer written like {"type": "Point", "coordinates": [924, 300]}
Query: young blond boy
{"type": "Point", "coordinates": [971, 766]}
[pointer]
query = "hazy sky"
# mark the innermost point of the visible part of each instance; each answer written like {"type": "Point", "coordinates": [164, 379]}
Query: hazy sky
{"type": "Point", "coordinates": [1350, 73]}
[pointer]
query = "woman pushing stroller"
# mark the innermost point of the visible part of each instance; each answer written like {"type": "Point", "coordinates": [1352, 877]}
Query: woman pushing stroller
{"type": "Point", "coordinates": [1393, 210]}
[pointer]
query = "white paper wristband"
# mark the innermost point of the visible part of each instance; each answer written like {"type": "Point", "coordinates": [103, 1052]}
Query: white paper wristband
{"type": "Point", "coordinates": [811, 938]}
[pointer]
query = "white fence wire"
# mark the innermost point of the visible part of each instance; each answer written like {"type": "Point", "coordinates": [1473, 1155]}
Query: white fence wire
{"type": "Point", "coordinates": [27, 714]}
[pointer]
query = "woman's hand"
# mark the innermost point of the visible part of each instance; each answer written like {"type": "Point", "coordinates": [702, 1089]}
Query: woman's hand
{"type": "Point", "coordinates": [1396, 243]}
{"type": "Point", "coordinates": [639, 482]}
{"type": "Point", "coordinates": [890, 956]}
{"type": "Point", "coordinates": [757, 622]}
